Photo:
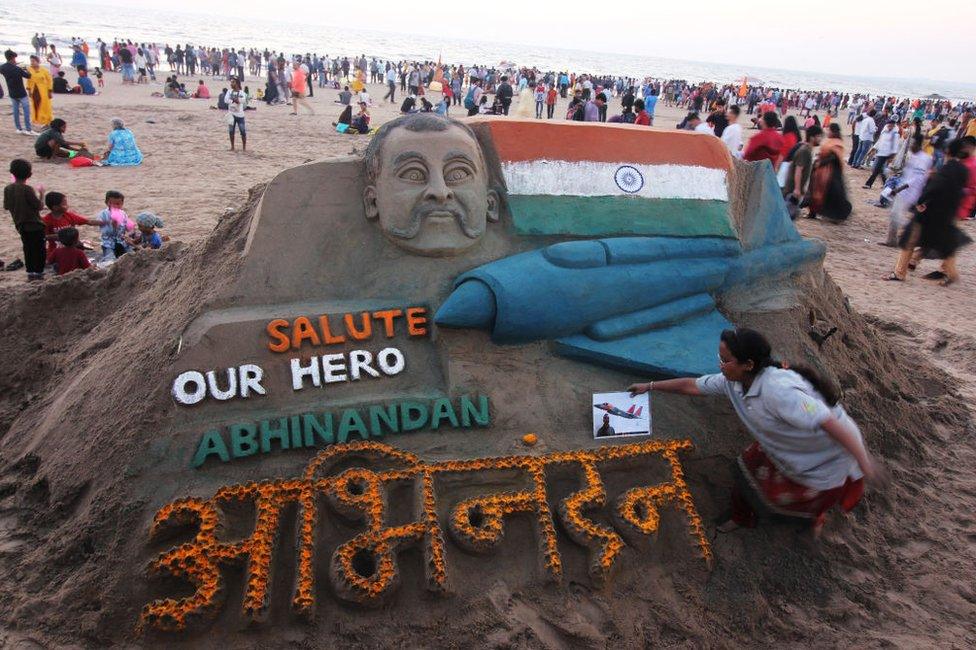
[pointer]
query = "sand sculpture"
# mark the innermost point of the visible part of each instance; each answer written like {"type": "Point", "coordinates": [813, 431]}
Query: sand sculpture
{"type": "Point", "coordinates": [383, 396]}
{"type": "Point", "coordinates": [598, 276]}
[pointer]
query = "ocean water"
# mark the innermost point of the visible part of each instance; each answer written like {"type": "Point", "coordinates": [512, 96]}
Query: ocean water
{"type": "Point", "coordinates": [60, 21]}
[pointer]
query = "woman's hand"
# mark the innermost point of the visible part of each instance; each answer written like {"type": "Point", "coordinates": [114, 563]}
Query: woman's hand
{"type": "Point", "coordinates": [874, 472]}
{"type": "Point", "coordinates": [638, 389]}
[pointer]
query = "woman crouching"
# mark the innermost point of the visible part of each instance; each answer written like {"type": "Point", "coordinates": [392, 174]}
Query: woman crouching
{"type": "Point", "coordinates": [808, 454]}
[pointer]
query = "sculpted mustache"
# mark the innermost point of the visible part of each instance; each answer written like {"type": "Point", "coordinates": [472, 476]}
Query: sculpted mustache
{"type": "Point", "coordinates": [421, 212]}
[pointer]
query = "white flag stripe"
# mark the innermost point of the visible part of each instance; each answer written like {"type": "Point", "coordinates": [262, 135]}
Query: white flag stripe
{"type": "Point", "coordinates": [564, 178]}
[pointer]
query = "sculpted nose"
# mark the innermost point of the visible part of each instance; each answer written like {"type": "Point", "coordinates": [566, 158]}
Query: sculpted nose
{"type": "Point", "coordinates": [437, 189]}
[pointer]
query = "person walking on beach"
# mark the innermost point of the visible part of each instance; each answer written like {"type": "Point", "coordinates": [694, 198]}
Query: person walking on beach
{"type": "Point", "coordinates": [828, 193]}
{"type": "Point", "coordinates": [391, 76]}
{"type": "Point", "coordinates": [933, 231]}
{"type": "Point", "coordinates": [914, 172]}
{"type": "Point", "coordinates": [236, 100]}
{"type": "Point", "coordinates": [299, 88]}
{"type": "Point", "coordinates": [128, 65]}
{"type": "Point", "coordinates": [504, 94]}
{"type": "Point", "coordinates": [14, 76]}
{"type": "Point", "coordinates": [865, 130]}
{"type": "Point", "coordinates": [884, 149]}
{"type": "Point", "coordinates": [807, 454]}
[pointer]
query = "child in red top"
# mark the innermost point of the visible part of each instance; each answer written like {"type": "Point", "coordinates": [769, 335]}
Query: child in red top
{"type": "Point", "coordinates": [551, 101]}
{"type": "Point", "coordinates": [68, 257]}
{"type": "Point", "coordinates": [60, 217]}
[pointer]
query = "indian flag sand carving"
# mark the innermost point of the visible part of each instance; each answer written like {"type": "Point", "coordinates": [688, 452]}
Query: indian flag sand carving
{"type": "Point", "coordinates": [571, 179]}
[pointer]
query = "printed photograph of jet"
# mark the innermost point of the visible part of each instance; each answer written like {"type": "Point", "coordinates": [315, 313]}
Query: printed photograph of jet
{"type": "Point", "coordinates": [629, 414]}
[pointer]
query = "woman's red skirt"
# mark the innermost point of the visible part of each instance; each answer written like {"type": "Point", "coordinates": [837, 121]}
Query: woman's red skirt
{"type": "Point", "coordinates": [779, 495]}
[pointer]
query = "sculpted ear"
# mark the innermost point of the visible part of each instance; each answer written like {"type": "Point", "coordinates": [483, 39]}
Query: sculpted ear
{"type": "Point", "coordinates": [369, 203]}
{"type": "Point", "coordinates": [493, 208]}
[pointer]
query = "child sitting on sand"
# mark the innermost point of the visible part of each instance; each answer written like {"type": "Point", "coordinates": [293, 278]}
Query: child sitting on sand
{"type": "Point", "coordinates": [202, 92]}
{"type": "Point", "coordinates": [68, 256]}
{"type": "Point", "coordinates": [145, 235]}
{"type": "Point", "coordinates": [115, 223]}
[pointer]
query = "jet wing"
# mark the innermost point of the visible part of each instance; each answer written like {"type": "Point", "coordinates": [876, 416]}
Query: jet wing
{"type": "Point", "coordinates": [687, 348]}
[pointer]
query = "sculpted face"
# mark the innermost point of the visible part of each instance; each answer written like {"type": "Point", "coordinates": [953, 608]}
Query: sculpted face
{"type": "Point", "coordinates": [431, 195]}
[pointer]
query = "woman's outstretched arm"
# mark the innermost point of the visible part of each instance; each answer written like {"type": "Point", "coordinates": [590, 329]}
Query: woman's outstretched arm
{"type": "Point", "coordinates": [681, 386]}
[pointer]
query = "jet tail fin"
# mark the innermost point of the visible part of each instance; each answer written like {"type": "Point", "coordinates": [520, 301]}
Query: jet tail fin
{"type": "Point", "coordinates": [639, 409]}
{"type": "Point", "coordinates": [631, 409]}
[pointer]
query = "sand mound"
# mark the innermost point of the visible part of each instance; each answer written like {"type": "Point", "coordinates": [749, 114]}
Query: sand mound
{"type": "Point", "coordinates": [80, 426]}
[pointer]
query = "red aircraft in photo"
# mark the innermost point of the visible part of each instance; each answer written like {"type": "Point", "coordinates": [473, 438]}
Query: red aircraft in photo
{"type": "Point", "coordinates": [630, 413]}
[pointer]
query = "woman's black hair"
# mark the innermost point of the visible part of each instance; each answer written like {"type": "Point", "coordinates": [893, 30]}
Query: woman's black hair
{"type": "Point", "coordinates": [790, 126]}
{"type": "Point", "coordinates": [749, 345]}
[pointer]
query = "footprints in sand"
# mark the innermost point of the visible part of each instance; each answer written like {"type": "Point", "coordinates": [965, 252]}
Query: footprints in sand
{"type": "Point", "coordinates": [583, 623]}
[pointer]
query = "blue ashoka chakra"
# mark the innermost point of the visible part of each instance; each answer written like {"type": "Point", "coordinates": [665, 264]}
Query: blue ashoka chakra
{"type": "Point", "coordinates": [629, 179]}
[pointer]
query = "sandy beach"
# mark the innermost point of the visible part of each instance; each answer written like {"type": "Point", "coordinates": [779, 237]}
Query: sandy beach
{"type": "Point", "coordinates": [190, 178]}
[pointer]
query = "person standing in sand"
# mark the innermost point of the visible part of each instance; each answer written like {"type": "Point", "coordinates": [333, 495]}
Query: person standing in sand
{"type": "Point", "coordinates": [40, 88]}
{"type": "Point", "coordinates": [54, 59]}
{"type": "Point", "coordinates": [808, 455]}
{"type": "Point", "coordinates": [14, 76]}
{"type": "Point", "coordinates": [236, 100]}
{"type": "Point", "coordinates": [732, 135]}
{"type": "Point", "coordinates": [299, 89]}
{"type": "Point", "coordinates": [828, 192]}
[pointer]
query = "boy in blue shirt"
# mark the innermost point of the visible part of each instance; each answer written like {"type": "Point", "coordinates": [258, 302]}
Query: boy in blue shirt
{"type": "Point", "coordinates": [146, 235]}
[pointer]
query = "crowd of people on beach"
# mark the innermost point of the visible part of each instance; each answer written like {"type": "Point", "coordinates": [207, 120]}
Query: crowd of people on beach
{"type": "Point", "coordinates": [908, 143]}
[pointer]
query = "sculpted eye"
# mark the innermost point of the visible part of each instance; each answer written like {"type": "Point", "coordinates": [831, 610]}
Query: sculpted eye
{"type": "Point", "coordinates": [413, 175]}
{"type": "Point", "coordinates": [457, 174]}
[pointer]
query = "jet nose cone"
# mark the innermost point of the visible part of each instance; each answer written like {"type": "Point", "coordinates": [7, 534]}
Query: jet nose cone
{"type": "Point", "coordinates": [471, 305]}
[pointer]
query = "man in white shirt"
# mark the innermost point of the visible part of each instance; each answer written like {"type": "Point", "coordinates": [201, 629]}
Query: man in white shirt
{"type": "Point", "coordinates": [732, 135]}
{"type": "Point", "coordinates": [884, 149]}
{"type": "Point", "coordinates": [866, 129]}
{"type": "Point", "coordinates": [809, 105]}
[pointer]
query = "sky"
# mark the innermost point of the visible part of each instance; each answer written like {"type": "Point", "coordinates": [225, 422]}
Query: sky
{"type": "Point", "coordinates": [895, 38]}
